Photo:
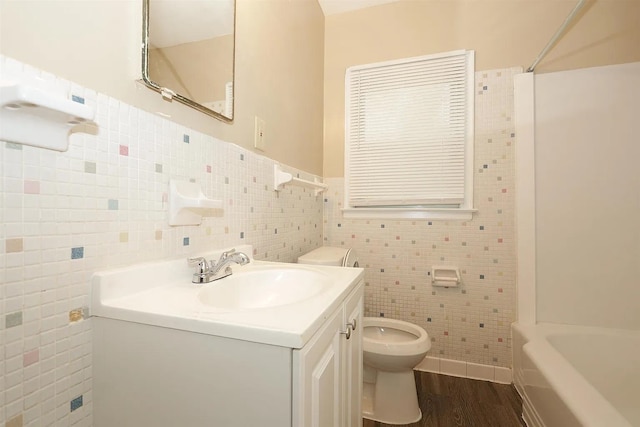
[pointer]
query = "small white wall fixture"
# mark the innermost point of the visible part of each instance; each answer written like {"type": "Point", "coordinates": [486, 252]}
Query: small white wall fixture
{"type": "Point", "coordinates": [187, 203]}
{"type": "Point", "coordinates": [280, 178]}
{"type": "Point", "coordinates": [35, 117]}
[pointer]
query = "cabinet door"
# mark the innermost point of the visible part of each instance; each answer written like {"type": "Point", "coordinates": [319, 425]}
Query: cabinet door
{"type": "Point", "coordinates": [317, 390]}
{"type": "Point", "coordinates": [352, 361]}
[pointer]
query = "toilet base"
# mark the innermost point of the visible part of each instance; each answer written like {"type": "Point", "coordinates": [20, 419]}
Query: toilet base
{"type": "Point", "coordinates": [392, 399]}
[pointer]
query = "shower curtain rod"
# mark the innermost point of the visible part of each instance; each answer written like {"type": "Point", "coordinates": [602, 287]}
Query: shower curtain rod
{"type": "Point", "coordinates": [557, 35]}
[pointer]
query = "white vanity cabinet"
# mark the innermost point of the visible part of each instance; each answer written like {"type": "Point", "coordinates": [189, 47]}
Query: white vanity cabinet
{"type": "Point", "coordinates": [327, 372]}
{"type": "Point", "coordinates": [160, 371]}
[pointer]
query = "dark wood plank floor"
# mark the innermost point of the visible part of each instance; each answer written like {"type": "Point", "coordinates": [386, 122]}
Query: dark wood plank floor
{"type": "Point", "coordinates": [448, 401]}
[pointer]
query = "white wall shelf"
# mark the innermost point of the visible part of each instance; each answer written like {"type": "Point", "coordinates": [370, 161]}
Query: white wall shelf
{"type": "Point", "coordinates": [280, 178]}
{"type": "Point", "coordinates": [34, 117]}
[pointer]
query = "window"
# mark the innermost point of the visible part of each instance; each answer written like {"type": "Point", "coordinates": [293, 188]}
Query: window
{"type": "Point", "coordinates": [409, 138]}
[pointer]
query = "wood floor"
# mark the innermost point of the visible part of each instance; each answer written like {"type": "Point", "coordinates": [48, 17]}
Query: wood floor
{"type": "Point", "coordinates": [448, 401]}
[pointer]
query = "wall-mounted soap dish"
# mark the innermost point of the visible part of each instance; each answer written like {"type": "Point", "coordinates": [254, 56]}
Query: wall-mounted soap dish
{"type": "Point", "coordinates": [34, 117]}
{"type": "Point", "coordinates": [187, 203]}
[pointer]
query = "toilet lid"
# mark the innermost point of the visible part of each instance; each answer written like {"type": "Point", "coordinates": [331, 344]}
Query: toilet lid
{"type": "Point", "coordinates": [350, 259]}
{"type": "Point", "coordinates": [324, 255]}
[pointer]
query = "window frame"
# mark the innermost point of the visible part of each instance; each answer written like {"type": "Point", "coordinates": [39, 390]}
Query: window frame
{"type": "Point", "coordinates": [464, 211]}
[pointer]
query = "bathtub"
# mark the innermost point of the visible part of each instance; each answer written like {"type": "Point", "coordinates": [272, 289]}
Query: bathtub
{"type": "Point", "coordinates": [577, 376]}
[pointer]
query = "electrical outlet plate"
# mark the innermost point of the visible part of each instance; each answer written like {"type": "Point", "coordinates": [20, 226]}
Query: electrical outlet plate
{"type": "Point", "coordinates": [259, 140]}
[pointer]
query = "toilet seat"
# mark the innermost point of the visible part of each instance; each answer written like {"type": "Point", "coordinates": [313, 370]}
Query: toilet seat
{"type": "Point", "coordinates": [350, 259]}
{"type": "Point", "coordinates": [393, 337]}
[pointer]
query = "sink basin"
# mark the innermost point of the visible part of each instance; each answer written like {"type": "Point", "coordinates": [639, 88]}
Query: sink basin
{"type": "Point", "coordinates": [263, 288]}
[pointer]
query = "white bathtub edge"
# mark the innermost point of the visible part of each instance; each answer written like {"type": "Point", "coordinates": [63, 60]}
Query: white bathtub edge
{"type": "Point", "coordinates": [536, 359]}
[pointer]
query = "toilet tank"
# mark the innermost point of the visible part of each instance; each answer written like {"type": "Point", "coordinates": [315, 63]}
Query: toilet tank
{"type": "Point", "coordinates": [328, 255]}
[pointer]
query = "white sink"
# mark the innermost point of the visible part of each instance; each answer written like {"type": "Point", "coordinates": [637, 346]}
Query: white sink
{"type": "Point", "coordinates": [266, 302]}
{"type": "Point", "coordinates": [264, 287]}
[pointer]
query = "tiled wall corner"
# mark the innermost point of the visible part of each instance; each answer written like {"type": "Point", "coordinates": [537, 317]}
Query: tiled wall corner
{"type": "Point", "coordinates": [470, 323]}
{"type": "Point", "coordinates": [103, 204]}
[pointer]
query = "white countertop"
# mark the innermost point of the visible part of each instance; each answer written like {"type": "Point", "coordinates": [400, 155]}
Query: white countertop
{"type": "Point", "coordinates": [162, 294]}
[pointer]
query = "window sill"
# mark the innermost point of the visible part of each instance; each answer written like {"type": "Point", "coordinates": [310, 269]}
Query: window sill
{"type": "Point", "coordinates": [409, 213]}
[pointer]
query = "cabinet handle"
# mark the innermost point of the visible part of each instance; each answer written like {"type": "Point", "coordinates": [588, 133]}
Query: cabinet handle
{"type": "Point", "coordinates": [347, 332]}
{"type": "Point", "coordinates": [350, 327]}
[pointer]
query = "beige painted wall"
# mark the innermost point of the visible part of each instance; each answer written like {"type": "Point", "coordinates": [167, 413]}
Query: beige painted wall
{"type": "Point", "coordinates": [279, 65]}
{"type": "Point", "coordinates": [504, 33]}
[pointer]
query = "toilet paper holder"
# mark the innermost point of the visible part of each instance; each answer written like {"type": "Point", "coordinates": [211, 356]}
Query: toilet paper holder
{"type": "Point", "coordinates": [446, 276]}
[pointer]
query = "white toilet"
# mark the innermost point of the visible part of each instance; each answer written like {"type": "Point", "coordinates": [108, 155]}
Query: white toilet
{"type": "Point", "coordinates": [329, 255]}
{"type": "Point", "coordinates": [392, 348]}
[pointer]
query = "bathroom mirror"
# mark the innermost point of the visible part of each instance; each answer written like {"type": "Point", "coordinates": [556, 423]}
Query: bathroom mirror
{"type": "Point", "coordinates": [188, 53]}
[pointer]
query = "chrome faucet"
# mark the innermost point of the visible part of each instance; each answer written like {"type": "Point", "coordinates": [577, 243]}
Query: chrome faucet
{"type": "Point", "coordinates": [210, 271]}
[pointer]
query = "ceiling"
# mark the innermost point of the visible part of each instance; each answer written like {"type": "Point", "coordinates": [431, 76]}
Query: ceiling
{"type": "Point", "coordinates": [331, 7]}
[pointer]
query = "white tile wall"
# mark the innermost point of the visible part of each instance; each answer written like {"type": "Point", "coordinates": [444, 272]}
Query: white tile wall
{"type": "Point", "coordinates": [470, 323]}
{"type": "Point", "coordinates": [103, 204]}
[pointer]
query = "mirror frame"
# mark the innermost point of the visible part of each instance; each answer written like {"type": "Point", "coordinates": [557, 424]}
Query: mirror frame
{"type": "Point", "coordinates": [169, 94]}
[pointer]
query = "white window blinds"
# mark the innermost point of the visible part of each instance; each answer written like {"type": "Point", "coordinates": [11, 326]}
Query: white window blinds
{"type": "Point", "coordinates": [407, 127]}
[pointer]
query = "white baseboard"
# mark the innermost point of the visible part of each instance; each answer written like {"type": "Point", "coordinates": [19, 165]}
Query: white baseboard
{"type": "Point", "coordinates": [458, 368]}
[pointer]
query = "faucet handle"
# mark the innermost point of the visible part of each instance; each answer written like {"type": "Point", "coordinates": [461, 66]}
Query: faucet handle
{"type": "Point", "coordinates": [203, 265]}
{"type": "Point", "coordinates": [224, 255]}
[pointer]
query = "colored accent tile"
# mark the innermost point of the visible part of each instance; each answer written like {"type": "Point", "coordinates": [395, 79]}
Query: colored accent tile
{"type": "Point", "coordinates": [76, 403]}
{"type": "Point", "coordinates": [158, 168]}
{"type": "Point", "coordinates": [89, 167]}
{"type": "Point", "coordinates": [15, 421]}
{"type": "Point", "coordinates": [124, 150]}
{"type": "Point", "coordinates": [241, 156]}
{"type": "Point", "coordinates": [14, 245]}
{"type": "Point", "coordinates": [185, 241]}
{"type": "Point", "coordinates": [242, 234]}
{"type": "Point", "coordinates": [124, 237]}
{"type": "Point", "coordinates": [30, 357]}
{"type": "Point", "coordinates": [14, 146]}
{"type": "Point", "coordinates": [185, 138]}
{"type": "Point", "coordinates": [77, 253]}
{"type": "Point", "coordinates": [158, 234]}
{"type": "Point", "coordinates": [78, 99]}
{"type": "Point", "coordinates": [113, 205]}
{"type": "Point", "coordinates": [13, 319]}
{"type": "Point", "coordinates": [31, 187]}
{"type": "Point", "coordinates": [208, 168]}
